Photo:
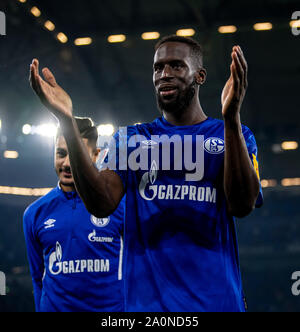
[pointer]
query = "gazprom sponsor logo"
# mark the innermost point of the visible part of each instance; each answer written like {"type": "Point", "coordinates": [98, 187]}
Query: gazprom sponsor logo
{"type": "Point", "coordinates": [149, 178]}
{"type": "Point", "coordinates": [58, 266]}
{"type": "Point", "coordinates": [94, 238]}
{"type": "Point", "coordinates": [149, 191]}
{"type": "Point", "coordinates": [214, 145]}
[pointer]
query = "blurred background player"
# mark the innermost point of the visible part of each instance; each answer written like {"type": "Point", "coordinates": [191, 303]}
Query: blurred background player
{"type": "Point", "coordinates": [75, 258]}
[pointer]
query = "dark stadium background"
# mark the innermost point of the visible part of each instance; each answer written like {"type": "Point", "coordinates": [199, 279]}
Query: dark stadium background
{"type": "Point", "coordinates": [112, 83]}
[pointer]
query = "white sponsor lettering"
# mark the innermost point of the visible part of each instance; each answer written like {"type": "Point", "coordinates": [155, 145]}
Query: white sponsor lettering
{"type": "Point", "coordinates": [173, 192]}
{"type": "Point", "coordinates": [94, 238]}
{"type": "Point", "coordinates": [176, 192]}
{"type": "Point", "coordinates": [57, 266]}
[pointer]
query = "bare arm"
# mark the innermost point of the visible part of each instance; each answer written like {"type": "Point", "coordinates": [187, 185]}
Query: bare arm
{"type": "Point", "coordinates": [241, 183]}
{"type": "Point", "coordinates": [101, 192]}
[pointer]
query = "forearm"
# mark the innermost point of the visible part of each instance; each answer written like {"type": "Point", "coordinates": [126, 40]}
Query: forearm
{"type": "Point", "coordinates": [241, 184]}
{"type": "Point", "coordinates": [100, 191]}
{"type": "Point", "coordinates": [94, 187]}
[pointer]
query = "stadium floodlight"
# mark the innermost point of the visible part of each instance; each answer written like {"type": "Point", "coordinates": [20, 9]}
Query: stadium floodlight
{"type": "Point", "coordinates": [49, 25]}
{"type": "Point", "coordinates": [263, 26]}
{"type": "Point", "coordinates": [270, 183]}
{"type": "Point", "coordinates": [295, 24]}
{"type": "Point", "coordinates": [46, 130]}
{"type": "Point", "coordinates": [35, 11]}
{"type": "Point", "coordinates": [290, 182]}
{"type": "Point", "coordinates": [116, 38]}
{"type": "Point", "coordinates": [26, 130]}
{"type": "Point", "coordinates": [227, 29]}
{"type": "Point", "coordinates": [4, 190]}
{"type": "Point", "coordinates": [186, 32]}
{"type": "Point", "coordinates": [150, 35]}
{"type": "Point", "coordinates": [106, 130]}
{"type": "Point", "coordinates": [11, 154]}
{"type": "Point", "coordinates": [289, 145]}
{"type": "Point", "coordinates": [83, 41]}
{"type": "Point", "coordinates": [62, 37]}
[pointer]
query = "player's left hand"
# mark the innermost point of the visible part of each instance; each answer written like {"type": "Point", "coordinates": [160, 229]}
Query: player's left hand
{"type": "Point", "coordinates": [235, 88]}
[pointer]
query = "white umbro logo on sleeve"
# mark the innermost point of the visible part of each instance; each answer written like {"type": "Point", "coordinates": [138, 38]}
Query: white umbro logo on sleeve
{"type": "Point", "coordinates": [49, 223]}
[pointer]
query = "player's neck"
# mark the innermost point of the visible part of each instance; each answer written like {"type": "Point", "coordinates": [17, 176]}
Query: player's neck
{"type": "Point", "coordinates": [192, 115]}
{"type": "Point", "coordinates": [67, 189]}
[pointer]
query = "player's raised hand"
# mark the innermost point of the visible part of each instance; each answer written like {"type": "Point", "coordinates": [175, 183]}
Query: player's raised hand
{"type": "Point", "coordinates": [235, 88]}
{"type": "Point", "coordinates": [49, 92]}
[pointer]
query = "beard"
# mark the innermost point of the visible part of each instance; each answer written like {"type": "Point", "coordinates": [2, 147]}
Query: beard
{"type": "Point", "coordinates": [67, 184]}
{"type": "Point", "coordinates": [182, 101]}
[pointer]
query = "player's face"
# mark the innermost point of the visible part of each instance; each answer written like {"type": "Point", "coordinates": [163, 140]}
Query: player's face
{"type": "Point", "coordinates": [174, 76]}
{"type": "Point", "coordinates": [62, 162]}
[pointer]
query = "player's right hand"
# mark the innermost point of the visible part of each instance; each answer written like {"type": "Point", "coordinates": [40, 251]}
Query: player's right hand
{"type": "Point", "coordinates": [235, 89]}
{"type": "Point", "coordinates": [49, 92]}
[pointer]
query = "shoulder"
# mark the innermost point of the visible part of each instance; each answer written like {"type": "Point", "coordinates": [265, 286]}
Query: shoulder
{"type": "Point", "coordinates": [138, 129]}
{"type": "Point", "coordinates": [219, 124]}
{"type": "Point", "coordinates": [247, 132]}
{"type": "Point", "coordinates": [33, 209]}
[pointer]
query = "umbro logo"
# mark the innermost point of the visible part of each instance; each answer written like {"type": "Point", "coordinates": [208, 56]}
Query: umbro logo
{"type": "Point", "coordinates": [49, 223]}
{"type": "Point", "coordinates": [149, 144]}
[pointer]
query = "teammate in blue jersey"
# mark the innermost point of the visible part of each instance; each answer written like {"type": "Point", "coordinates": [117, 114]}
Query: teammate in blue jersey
{"type": "Point", "coordinates": [186, 177]}
{"type": "Point", "coordinates": [75, 258]}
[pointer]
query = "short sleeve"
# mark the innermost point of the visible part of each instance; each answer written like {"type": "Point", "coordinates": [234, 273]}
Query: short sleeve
{"type": "Point", "coordinates": [253, 154]}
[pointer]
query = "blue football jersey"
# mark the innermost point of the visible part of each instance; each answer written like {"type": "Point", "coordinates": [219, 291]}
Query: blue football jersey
{"type": "Point", "coordinates": [181, 251]}
{"type": "Point", "coordinates": [75, 258]}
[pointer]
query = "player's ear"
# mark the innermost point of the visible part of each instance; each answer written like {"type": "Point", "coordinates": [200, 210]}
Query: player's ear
{"type": "Point", "coordinates": [96, 155]}
{"type": "Point", "coordinates": [200, 76]}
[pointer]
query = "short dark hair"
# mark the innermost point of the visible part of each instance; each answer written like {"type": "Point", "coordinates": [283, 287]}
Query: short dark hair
{"type": "Point", "coordinates": [196, 48]}
{"type": "Point", "coordinates": [87, 130]}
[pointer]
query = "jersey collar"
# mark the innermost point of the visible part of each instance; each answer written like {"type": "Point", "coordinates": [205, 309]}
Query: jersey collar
{"type": "Point", "coordinates": [68, 195]}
